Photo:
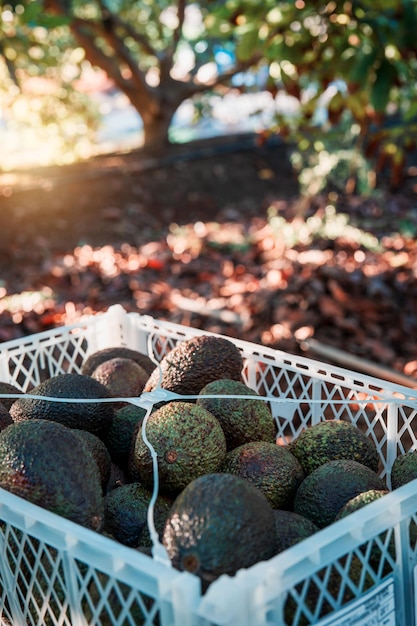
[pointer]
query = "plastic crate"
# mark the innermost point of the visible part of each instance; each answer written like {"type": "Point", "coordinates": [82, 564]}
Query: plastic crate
{"type": "Point", "coordinates": [53, 571]}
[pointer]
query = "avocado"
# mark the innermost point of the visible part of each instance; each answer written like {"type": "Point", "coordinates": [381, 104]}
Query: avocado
{"type": "Point", "coordinates": [377, 557]}
{"type": "Point", "coordinates": [291, 528]}
{"type": "Point", "coordinates": [243, 419]}
{"type": "Point", "coordinates": [96, 417]}
{"type": "Point", "coordinates": [113, 352]}
{"type": "Point", "coordinates": [271, 468]}
{"type": "Point", "coordinates": [8, 388]}
{"type": "Point", "coordinates": [125, 514]}
{"type": "Point", "coordinates": [121, 435]}
{"type": "Point", "coordinates": [188, 441]}
{"type": "Point", "coordinates": [193, 363]}
{"type": "Point", "coordinates": [123, 378]}
{"type": "Point", "coordinates": [326, 490]}
{"type": "Point", "coordinates": [331, 440]}
{"type": "Point", "coordinates": [117, 478]}
{"type": "Point", "coordinates": [98, 450]}
{"type": "Point", "coordinates": [359, 501]}
{"type": "Point", "coordinates": [48, 464]}
{"type": "Point", "coordinates": [5, 417]}
{"type": "Point", "coordinates": [404, 469]}
{"type": "Point", "coordinates": [217, 525]}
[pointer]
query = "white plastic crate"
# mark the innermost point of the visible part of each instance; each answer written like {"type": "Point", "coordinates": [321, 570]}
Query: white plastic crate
{"type": "Point", "coordinates": [360, 570]}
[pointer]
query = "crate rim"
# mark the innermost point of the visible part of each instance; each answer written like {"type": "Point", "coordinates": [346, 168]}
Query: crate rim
{"type": "Point", "coordinates": [47, 526]}
{"type": "Point", "coordinates": [380, 387]}
{"type": "Point", "coordinates": [289, 566]}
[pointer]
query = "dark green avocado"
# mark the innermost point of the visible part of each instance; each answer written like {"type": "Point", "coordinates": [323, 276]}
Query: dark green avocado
{"type": "Point", "coordinates": [49, 465]}
{"type": "Point", "coordinates": [123, 378]}
{"type": "Point", "coordinates": [217, 525]}
{"type": "Point", "coordinates": [404, 469]}
{"type": "Point", "coordinates": [97, 448]}
{"type": "Point", "coordinates": [96, 417]}
{"type": "Point", "coordinates": [331, 440]}
{"type": "Point", "coordinates": [98, 357]}
{"type": "Point", "coordinates": [8, 388]}
{"type": "Point", "coordinates": [243, 419]}
{"type": "Point", "coordinates": [373, 553]}
{"type": "Point", "coordinates": [291, 528]}
{"type": "Point", "coordinates": [120, 437]}
{"type": "Point", "coordinates": [359, 501]}
{"type": "Point", "coordinates": [5, 417]}
{"type": "Point", "coordinates": [326, 490]}
{"type": "Point", "coordinates": [188, 441]}
{"type": "Point", "coordinates": [126, 511]}
{"type": "Point", "coordinates": [271, 468]}
{"type": "Point", "coordinates": [193, 363]}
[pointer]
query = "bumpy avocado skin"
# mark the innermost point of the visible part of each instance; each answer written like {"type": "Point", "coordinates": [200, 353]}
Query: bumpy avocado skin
{"type": "Point", "coordinates": [291, 528]}
{"type": "Point", "coordinates": [359, 501]}
{"type": "Point", "coordinates": [217, 525]}
{"type": "Point", "coordinates": [48, 464]}
{"type": "Point", "coordinates": [331, 440]}
{"type": "Point", "coordinates": [98, 357]}
{"type": "Point", "coordinates": [120, 437]}
{"type": "Point", "coordinates": [376, 557]}
{"type": "Point", "coordinates": [243, 419]}
{"type": "Point", "coordinates": [6, 388]}
{"type": "Point", "coordinates": [193, 363]}
{"type": "Point", "coordinates": [96, 417]}
{"type": "Point", "coordinates": [326, 490]}
{"type": "Point", "coordinates": [271, 468]}
{"type": "Point", "coordinates": [404, 469]}
{"type": "Point", "coordinates": [123, 378]}
{"type": "Point", "coordinates": [99, 451]}
{"type": "Point", "coordinates": [5, 417]}
{"type": "Point", "coordinates": [125, 514]}
{"type": "Point", "coordinates": [188, 441]}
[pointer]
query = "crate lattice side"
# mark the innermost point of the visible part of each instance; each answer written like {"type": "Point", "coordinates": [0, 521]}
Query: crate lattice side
{"type": "Point", "coordinates": [103, 589]}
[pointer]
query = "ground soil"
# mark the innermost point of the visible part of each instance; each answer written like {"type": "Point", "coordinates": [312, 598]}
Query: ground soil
{"type": "Point", "coordinates": [122, 228]}
{"type": "Point", "coordinates": [88, 202]}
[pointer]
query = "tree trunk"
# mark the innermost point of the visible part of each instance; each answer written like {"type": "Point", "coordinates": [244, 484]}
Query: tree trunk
{"type": "Point", "coordinates": [156, 125]}
{"type": "Point", "coordinates": [156, 105]}
{"type": "Point", "coordinates": [157, 110]}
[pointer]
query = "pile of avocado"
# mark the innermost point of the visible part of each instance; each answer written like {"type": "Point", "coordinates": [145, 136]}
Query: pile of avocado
{"type": "Point", "coordinates": [229, 494]}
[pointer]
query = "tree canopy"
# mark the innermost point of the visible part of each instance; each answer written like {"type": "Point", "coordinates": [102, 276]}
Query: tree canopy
{"type": "Point", "coordinates": [341, 61]}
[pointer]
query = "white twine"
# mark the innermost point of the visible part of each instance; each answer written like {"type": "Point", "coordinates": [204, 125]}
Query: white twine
{"type": "Point", "coordinates": [163, 395]}
{"type": "Point", "coordinates": [148, 399]}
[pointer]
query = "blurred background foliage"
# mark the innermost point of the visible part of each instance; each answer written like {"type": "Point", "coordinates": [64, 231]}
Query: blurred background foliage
{"type": "Point", "coordinates": [348, 70]}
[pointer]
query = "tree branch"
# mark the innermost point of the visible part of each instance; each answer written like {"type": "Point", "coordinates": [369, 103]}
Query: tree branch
{"type": "Point", "coordinates": [97, 58]}
{"type": "Point", "coordinates": [87, 31]}
{"type": "Point", "coordinates": [166, 59]}
{"type": "Point", "coordinates": [177, 34]}
{"type": "Point", "coordinates": [140, 39]}
{"type": "Point", "coordinates": [9, 65]}
{"type": "Point", "coordinates": [124, 55]}
{"type": "Point", "coordinates": [223, 78]}
{"type": "Point", "coordinates": [111, 22]}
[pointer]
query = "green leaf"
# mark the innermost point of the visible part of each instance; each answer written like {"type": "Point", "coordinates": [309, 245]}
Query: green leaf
{"type": "Point", "coordinates": [249, 41]}
{"type": "Point", "coordinates": [276, 49]}
{"type": "Point", "coordinates": [31, 13]}
{"type": "Point", "coordinates": [411, 112]}
{"type": "Point", "coordinates": [54, 21]}
{"type": "Point", "coordinates": [363, 63]}
{"type": "Point", "coordinates": [34, 16]}
{"type": "Point", "coordinates": [385, 76]}
{"type": "Point", "coordinates": [409, 24]}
